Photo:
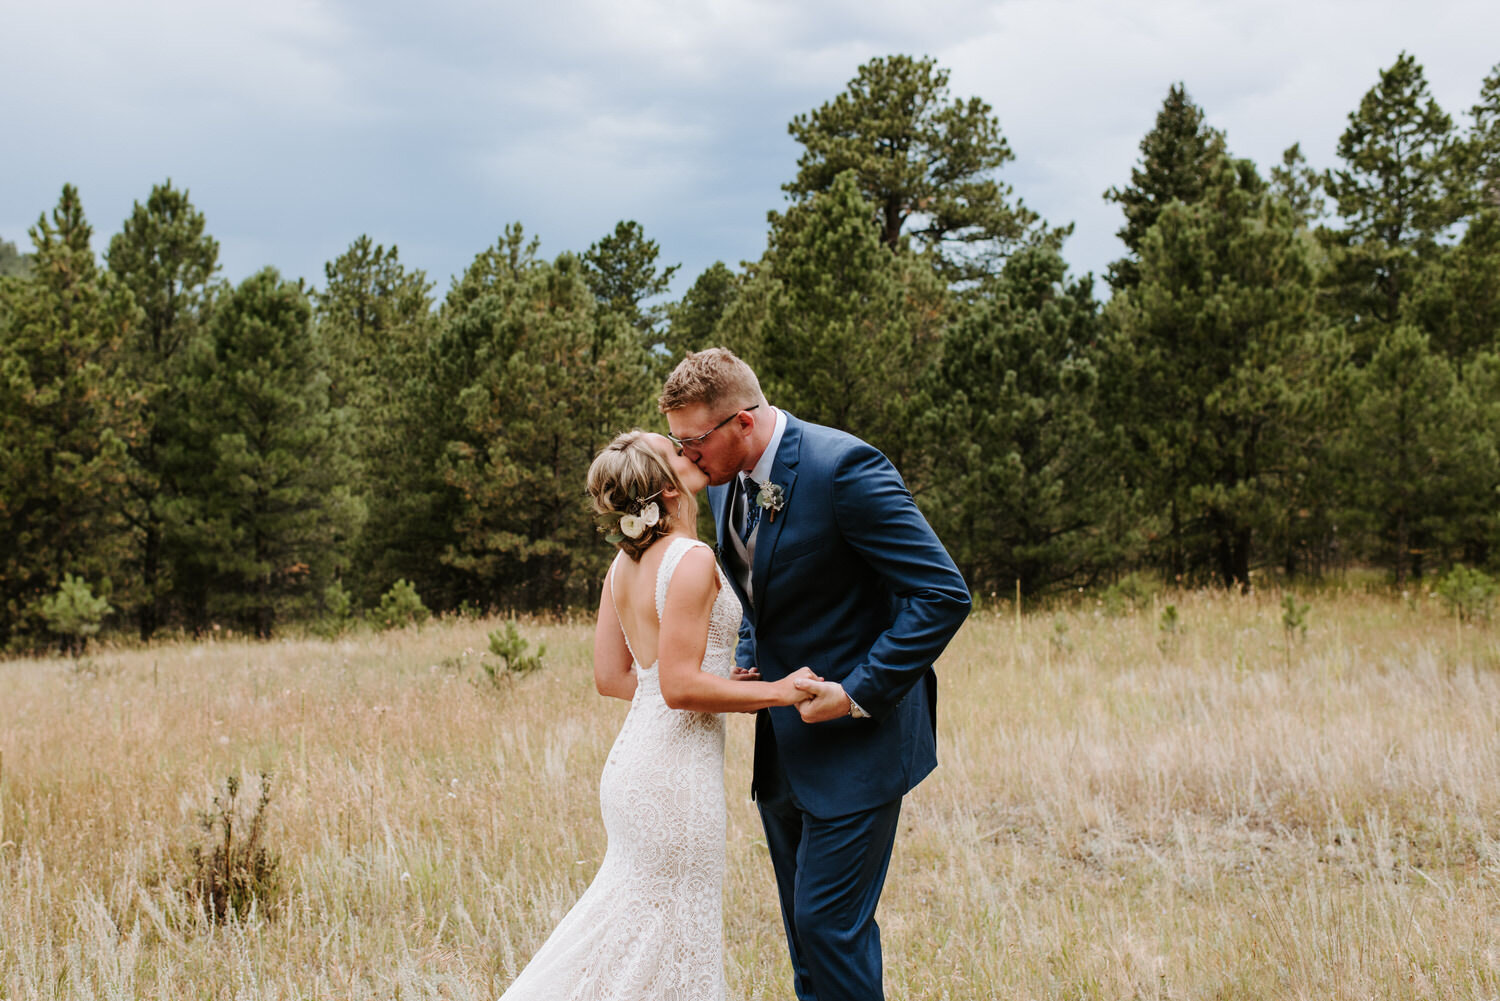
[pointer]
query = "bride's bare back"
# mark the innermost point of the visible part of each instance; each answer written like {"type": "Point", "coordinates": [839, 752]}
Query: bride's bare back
{"type": "Point", "coordinates": [650, 926]}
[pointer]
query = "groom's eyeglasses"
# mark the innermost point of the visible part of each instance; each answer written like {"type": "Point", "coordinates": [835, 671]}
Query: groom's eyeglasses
{"type": "Point", "coordinates": [697, 439]}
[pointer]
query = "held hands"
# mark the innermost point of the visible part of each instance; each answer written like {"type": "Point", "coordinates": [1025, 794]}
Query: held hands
{"type": "Point", "coordinates": [791, 689]}
{"type": "Point", "coordinates": [825, 699]}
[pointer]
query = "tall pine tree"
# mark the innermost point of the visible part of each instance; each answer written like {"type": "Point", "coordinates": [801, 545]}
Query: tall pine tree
{"type": "Point", "coordinates": [164, 255]}
{"type": "Point", "coordinates": [621, 270]}
{"type": "Point", "coordinates": [536, 379]}
{"type": "Point", "coordinates": [850, 327]}
{"type": "Point", "coordinates": [1219, 367]}
{"type": "Point", "coordinates": [1026, 488]}
{"type": "Point", "coordinates": [1483, 142]}
{"type": "Point", "coordinates": [1178, 157]}
{"type": "Point", "coordinates": [1396, 196]}
{"type": "Point", "coordinates": [928, 164]}
{"type": "Point", "coordinates": [65, 419]}
{"type": "Point", "coordinates": [376, 324]}
{"type": "Point", "coordinates": [264, 512]}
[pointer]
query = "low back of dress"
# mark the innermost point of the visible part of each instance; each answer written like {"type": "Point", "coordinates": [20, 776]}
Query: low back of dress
{"type": "Point", "coordinates": [650, 925]}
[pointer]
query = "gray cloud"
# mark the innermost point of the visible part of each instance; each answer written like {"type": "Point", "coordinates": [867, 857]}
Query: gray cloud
{"type": "Point", "coordinates": [297, 126]}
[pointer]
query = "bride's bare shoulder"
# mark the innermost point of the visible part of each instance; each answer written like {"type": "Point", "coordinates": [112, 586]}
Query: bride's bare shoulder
{"type": "Point", "coordinates": [695, 573]}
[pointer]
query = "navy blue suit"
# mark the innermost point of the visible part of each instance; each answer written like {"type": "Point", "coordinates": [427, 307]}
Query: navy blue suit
{"type": "Point", "coordinates": [849, 580]}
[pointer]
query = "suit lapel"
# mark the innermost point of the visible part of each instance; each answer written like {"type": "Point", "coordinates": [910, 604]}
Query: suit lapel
{"type": "Point", "coordinates": [784, 474]}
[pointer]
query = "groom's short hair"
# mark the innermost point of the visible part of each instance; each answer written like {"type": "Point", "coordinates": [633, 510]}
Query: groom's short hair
{"type": "Point", "coordinates": [712, 376]}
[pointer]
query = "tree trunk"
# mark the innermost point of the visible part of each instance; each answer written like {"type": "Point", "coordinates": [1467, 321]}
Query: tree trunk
{"type": "Point", "coordinates": [890, 231]}
{"type": "Point", "coordinates": [1242, 557]}
{"type": "Point", "coordinates": [1401, 548]}
{"type": "Point", "coordinates": [150, 616]}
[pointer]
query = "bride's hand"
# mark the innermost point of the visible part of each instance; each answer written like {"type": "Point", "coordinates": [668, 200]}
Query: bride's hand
{"type": "Point", "coordinates": [738, 673]}
{"type": "Point", "coordinates": [791, 692]}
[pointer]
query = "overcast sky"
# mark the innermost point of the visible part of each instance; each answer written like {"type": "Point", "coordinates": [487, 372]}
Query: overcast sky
{"type": "Point", "coordinates": [297, 125]}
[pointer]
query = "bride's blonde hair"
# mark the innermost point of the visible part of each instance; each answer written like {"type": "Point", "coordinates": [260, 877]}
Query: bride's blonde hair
{"type": "Point", "coordinates": [623, 479]}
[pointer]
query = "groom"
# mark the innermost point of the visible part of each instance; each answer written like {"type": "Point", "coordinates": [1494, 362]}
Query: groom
{"type": "Point", "coordinates": [837, 570]}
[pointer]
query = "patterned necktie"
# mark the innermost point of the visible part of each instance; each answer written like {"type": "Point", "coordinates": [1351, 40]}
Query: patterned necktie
{"type": "Point", "coordinates": [748, 489]}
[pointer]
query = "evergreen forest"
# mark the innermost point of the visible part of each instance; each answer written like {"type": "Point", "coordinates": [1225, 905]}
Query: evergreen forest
{"type": "Point", "coordinates": [1292, 370]}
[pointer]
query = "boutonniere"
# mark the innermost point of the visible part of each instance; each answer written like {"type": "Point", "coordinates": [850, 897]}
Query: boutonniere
{"type": "Point", "coordinates": [771, 498]}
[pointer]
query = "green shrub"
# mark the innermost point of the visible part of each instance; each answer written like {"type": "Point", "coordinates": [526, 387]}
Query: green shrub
{"type": "Point", "coordinates": [468, 610]}
{"type": "Point", "coordinates": [509, 645]}
{"type": "Point", "coordinates": [1169, 626]}
{"type": "Point", "coordinates": [1130, 593]}
{"type": "Point", "coordinates": [1059, 639]}
{"type": "Point", "coordinates": [73, 613]}
{"type": "Point", "coordinates": [1469, 594]}
{"type": "Point", "coordinates": [400, 606]}
{"type": "Point", "coordinates": [1294, 617]}
{"type": "Point", "coordinates": [338, 611]}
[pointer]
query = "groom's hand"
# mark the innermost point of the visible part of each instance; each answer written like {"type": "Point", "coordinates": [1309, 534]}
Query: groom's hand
{"type": "Point", "coordinates": [829, 700]}
{"type": "Point", "coordinates": [737, 673]}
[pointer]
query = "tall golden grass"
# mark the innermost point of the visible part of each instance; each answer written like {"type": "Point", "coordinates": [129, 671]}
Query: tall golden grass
{"type": "Point", "coordinates": [1224, 811]}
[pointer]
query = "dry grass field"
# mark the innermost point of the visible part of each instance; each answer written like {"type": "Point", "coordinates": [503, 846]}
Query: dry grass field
{"type": "Point", "coordinates": [1221, 811]}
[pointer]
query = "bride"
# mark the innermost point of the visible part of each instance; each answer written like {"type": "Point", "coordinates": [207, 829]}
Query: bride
{"type": "Point", "coordinates": [649, 926]}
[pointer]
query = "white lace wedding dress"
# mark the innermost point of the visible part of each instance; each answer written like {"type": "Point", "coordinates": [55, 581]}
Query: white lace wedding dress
{"type": "Point", "coordinates": [650, 926]}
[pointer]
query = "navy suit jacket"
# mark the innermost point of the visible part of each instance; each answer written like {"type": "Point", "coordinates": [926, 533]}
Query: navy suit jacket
{"type": "Point", "coordinates": [850, 580]}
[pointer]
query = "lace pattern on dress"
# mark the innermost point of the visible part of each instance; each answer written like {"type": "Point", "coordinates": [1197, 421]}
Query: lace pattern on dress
{"type": "Point", "coordinates": [650, 925]}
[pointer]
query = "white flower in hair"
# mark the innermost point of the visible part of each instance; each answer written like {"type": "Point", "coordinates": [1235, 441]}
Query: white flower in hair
{"type": "Point", "coordinates": [632, 525]}
{"type": "Point", "coordinates": [650, 515]}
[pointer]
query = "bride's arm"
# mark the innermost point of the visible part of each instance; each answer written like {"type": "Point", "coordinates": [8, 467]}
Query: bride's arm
{"type": "Point", "coordinates": [612, 660]}
{"type": "Point", "coordinates": [684, 638]}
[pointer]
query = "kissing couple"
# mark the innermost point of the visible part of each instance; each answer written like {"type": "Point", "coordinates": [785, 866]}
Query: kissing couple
{"type": "Point", "coordinates": [829, 601]}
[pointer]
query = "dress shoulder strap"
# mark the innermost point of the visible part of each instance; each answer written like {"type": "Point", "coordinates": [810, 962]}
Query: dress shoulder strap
{"type": "Point", "coordinates": [677, 549]}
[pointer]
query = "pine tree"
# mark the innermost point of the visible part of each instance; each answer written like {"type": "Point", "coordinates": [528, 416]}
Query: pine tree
{"type": "Point", "coordinates": [422, 529]}
{"type": "Point", "coordinates": [851, 327]}
{"type": "Point", "coordinates": [64, 421]}
{"type": "Point", "coordinates": [1299, 185]}
{"type": "Point", "coordinates": [12, 261]}
{"type": "Point", "coordinates": [376, 323]}
{"type": "Point", "coordinates": [693, 323]}
{"type": "Point", "coordinates": [622, 272]}
{"type": "Point", "coordinates": [926, 162]}
{"type": "Point", "coordinates": [1397, 195]}
{"type": "Point", "coordinates": [1455, 297]}
{"type": "Point", "coordinates": [741, 327]}
{"type": "Point", "coordinates": [1473, 534]}
{"type": "Point", "coordinates": [1219, 369]}
{"type": "Point", "coordinates": [1178, 157]}
{"type": "Point", "coordinates": [537, 379]}
{"type": "Point", "coordinates": [264, 510]}
{"type": "Point", "coordinates": [1025, 483]}
{"type": "Point", "coordinates": [1408, 451]}
{"type": "Point", "coordinates": [167, 260]}
{"type": "Point", "coordinates": [1483, 144]}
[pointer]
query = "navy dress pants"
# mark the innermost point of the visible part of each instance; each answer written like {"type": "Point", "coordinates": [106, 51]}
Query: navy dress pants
{"type": "Point", "coordinates": [829, 874]}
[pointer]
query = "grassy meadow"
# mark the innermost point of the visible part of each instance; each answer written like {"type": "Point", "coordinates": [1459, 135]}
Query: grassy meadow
{"type": "Point", "coordinates": [1221, 810]}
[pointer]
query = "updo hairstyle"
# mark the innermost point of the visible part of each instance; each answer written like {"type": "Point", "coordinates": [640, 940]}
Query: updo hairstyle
{"type": "Point", "coordinates": [624, 479]}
